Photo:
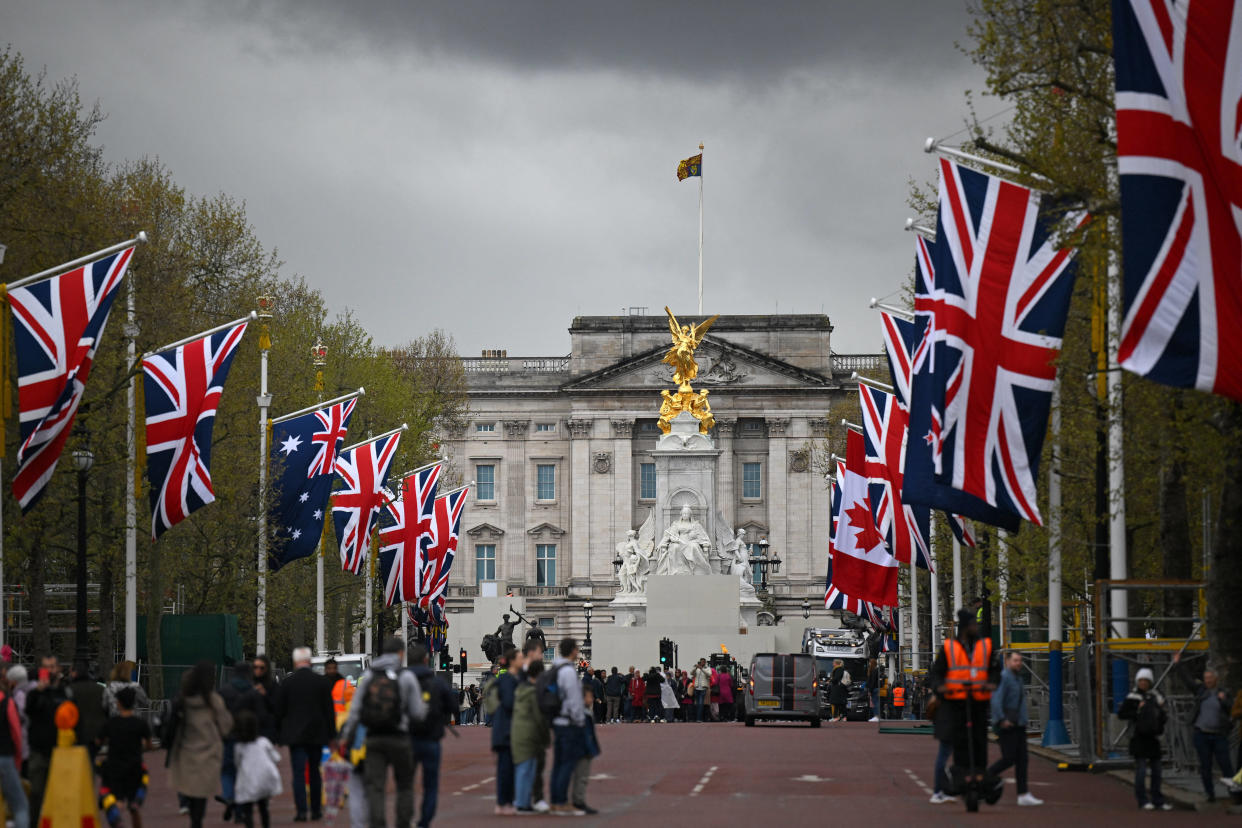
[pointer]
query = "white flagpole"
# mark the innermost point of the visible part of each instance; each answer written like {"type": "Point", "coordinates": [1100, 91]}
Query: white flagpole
{"type": "Point", "coordinates": [250, 317]}
{"type": "Point", "coordinates": [317, 406]}
{"type": "Point", "coordinates": [935, 579]}
{"type": "Point", "coordinates": [914, 614]}
{"type": "Point", "coordinates": [370, 588]}
{"type": "Point", "coordinates": [700, 230]}
{"type": "Point", "coordinates": [265, 402]}
{"type": "Point", "coordinates": [141, 238]}
{"type": "Point", "coordinates": [1002, 576]}
{"type": "Point", "coordinates": [1117, 569]}
{"type": "Point", "coordinates": [131, 483]}
{"type": "Point", "coordinates": [957, 575]}
{"type": "Point", "coordinates": [320, 360]}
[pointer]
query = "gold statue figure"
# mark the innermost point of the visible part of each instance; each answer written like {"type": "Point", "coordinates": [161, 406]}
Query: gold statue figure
{"type": "Point", "coordinates": [686, 338]}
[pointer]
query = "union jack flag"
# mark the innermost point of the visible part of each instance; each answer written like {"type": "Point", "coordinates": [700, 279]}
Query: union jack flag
{"type": "Point", "coordinates": [1179, 152]}
{"type": "Point", "coordinates": [356, 507]}
{"type": "Point", "coordinates": [901, 338]}
{"type": "Point", "coordinates": [440, 554]}
{"type": "Point", "coordinates": [182, 389]}
{"type": "Point", "coordinates": [905, 527]}
{"type": "Point", "coordinates": [920, 487]}
{"type": "Point", "coordinates": [59, 324]}
{"type": "Point", "coordinates": [307, 446]}
{"type": "Point", "coordinates": [1006, 290]}
{"type": "Point", "coordinates": [403, 542]}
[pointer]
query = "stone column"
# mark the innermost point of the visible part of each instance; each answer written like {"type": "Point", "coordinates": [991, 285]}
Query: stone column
{"type": "Point", "coordinates": [726, 498]}
{"type": "Point", "coordinates": [798, 501]}
{"type": "Point", "coordinates": [518, 560]}
{"type": "Point", "coordinates": [821, 519]}
{"type": "Point", "coordinates": [778, 490]}
{"type": "Point", "coordinates": [622, 499]}
{"type": "Point", "coordinates": [575, 566]}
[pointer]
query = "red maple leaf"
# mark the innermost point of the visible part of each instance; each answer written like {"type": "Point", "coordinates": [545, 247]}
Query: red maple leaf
{"type": "Point", "coordinates": [865, 535]}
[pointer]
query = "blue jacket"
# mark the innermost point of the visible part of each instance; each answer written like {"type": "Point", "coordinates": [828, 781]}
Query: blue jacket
{"type": "Point", "coordinates": [502, 719]}
{"type": "Point", "coordinates": [1009, 700]}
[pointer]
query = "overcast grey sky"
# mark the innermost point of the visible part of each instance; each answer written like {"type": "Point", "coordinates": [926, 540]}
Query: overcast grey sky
{"type": "Point", "coordinates": [496, 168]}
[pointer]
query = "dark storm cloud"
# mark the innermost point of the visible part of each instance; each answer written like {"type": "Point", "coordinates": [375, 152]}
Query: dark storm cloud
{"type": "Point", "coordinates": [494, 169]}
{"type": "Point", "coordinates": [735, 42]}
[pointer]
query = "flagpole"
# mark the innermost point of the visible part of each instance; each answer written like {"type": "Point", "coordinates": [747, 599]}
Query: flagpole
{"type": "Point", "coordinates": [1002, 576]}
{"type": "Point", "coordinates": [131, 483]}
{"type": "Point", "coordinates": [935, 579]}
{"type": "Point", "coordinates": [141, 238]}
{"type": "Point", "coordinates": [319, 356]}
{"type": "Point", "coordinates": [370, 588]}
{"type": "Point", "coordinates": [388, 433]}
{"type": "Point", "coordinates": [957, 574]}
{"type": "Point", "coordinates": [265, 402]}
{"type": "Point", "coordinates": [914, 613]}
{"type": "Point", "coordinates": [361, 392]}
{"type": "Point", "coordinates": [1117, 569]}
{"type": "Point", "coordinates": [1055, 732]}
{"type": "Point", "coordinates": [250, 317]}
{"type": "Point", "coordinates": [700, 230]}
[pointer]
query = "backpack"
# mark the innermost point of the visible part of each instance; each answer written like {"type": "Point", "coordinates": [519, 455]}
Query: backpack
{"type": "Point", "coordinates": [431, 727]}
{"type": "Point", "coordinates": [547, 694]}
{"type": "Point", "coordinates": [491, 697]}
{"type": "Point", "coordinates": [1149, 720]}
{"type": "Point", "coordinates": [845, 678]}
{"type": "Point", "coordinates": [381, 704]}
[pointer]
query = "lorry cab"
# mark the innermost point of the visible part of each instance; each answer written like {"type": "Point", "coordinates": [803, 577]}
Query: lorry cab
{"type": "Point", "coordinates": [782, 686]}
{"type": "Point", "coordinates": [349, 665]}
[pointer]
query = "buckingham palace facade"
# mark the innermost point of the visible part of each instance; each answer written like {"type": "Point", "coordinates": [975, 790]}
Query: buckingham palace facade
{"type": "Point", "coordinates": [560, 449]}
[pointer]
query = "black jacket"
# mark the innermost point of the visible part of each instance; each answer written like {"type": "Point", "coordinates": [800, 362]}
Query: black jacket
{"type": "Point", "coordinates": [304, 711]}
{"type": "Point", "coordinates": [41, 714]}
{"type": "Point", "coordinates": [88, 695]}
{"type": "Point", "coordinates": [433, 728]}
{"type": "Point", "coordinates": [1142, 745]}
{"type": "Point", "coordinates": [615, 686]}
{"type": "Point", "coordinates": [239, 694]}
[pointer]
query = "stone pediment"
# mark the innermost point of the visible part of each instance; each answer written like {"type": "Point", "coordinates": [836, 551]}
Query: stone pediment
{"type": "Point", "coordinates": [485, 530]}
{"type": "Point", "coordinates": [722, 366]}
{"type": "Point", "coordinates": [546, 528]}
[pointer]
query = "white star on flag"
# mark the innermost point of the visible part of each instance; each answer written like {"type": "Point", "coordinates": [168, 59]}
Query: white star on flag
{"type": "Point", "coordinates": [303, 497]}
{"type": "Point", "coordinates": [319, 514]}
{"type": "Point", "coordinates": [290, 444]}
{"type": "Point", "coordinates": [297, 533]}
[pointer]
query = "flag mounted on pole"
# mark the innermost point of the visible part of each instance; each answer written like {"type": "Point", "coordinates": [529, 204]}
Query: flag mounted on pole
{"type": "Point", "coordinates": [363, 468]}
{"type": "Point", "coordinates": [406, 534]}
{"type": "Point", "coordinates": [440, 555]}
{"type": "Point", "coordinates": [1178, 121]}
{"type": "Point", "coordinates": [59, 322]}
{"type": "Point", "coordinates": [1004, 285]}
{"type": "Point", "coordinates": [905, 527]}
{"type": "Point", "coordinates": [182, 386]}
{"type": "Point", "coordinates": [690, 167]}
{"type": "Point", "coordinates": [307, 445]}
{"type": "Point", "coordinates": [863, 567]}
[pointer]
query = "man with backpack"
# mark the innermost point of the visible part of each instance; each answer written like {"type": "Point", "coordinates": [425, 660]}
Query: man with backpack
{"type": "Point", "coordinates": [1146, 708]}
{"type": "Point", "coordinates": [387, 701]}
{"type": "Point", "coordinates": [560, 692]}
{"type": "Point", "coordinates": [425, 736]}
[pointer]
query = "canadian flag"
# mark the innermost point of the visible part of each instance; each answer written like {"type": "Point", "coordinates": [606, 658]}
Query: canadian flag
{"type": "Point", "coordinates": [862, 566]}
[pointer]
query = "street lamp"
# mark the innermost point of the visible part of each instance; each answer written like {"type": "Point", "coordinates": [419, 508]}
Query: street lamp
{"type": "Point", "coordinates": [587, 609]}
{"type": "Point", "coordinates": [763, 562]}
{"type": "Point", "coordinates": [83, 459]}
{"type": "Point", "coordinates": [617, 563]}
{"type": "Point", "coordinates": [806, 608]}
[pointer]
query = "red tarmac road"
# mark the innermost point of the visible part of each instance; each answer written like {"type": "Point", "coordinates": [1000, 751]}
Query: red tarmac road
{"type": "Point", "coordinates": [727, 774]}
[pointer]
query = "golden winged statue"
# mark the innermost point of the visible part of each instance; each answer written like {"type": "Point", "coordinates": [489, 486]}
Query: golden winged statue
{"type": "Point", "coordinates": [686, 338]}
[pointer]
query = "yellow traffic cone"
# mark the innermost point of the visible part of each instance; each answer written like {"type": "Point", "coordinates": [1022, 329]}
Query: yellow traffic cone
{"type": "Point", "coordinates": [69, 801]}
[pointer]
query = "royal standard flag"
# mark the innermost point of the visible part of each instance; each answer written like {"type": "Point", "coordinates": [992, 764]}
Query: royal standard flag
{"type": "Point", "coordinates": [692, 166]}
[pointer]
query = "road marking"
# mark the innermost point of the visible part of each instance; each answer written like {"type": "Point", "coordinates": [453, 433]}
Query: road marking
{"type": "Point", "coordinates": [914, 778]}
{"type": "Point", "coordinates": [598, 776]}
{"type": "Point", "coordinates": [810, 777]}
{"type": "Point", "coordinates": [707, 777]}
{"type": "Point", "coordinates": [476, 785]}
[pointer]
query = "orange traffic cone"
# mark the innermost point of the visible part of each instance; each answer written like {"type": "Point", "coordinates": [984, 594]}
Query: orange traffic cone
{"type": "Point", "coordinates": [69, 801]}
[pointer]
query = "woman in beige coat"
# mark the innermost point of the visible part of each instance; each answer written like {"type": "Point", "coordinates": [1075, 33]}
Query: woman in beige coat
{"type": "Point", "coordinates": [201, 723]}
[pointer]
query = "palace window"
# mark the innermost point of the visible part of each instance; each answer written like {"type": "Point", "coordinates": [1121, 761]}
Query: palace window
{"type": "Point", "coordinates": [545, 481]}
{"type": "Point", "coordinates": [752, 481]}
{"type": "Point", "coordinates": [545, 564]}
{"type": "Point", "coordinates": [485, 482]}
{"type": "Point", "coordinates": [481, 427]}
{"type": "Point", "coordinates": [646, 481]}
{"type": "Point", "coordinates": [484, 562]}
{"type": "Point", "coordinates": [545, 426]}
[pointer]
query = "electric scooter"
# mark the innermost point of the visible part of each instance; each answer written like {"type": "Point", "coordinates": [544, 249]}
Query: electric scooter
{"type": "Point", "coordinates": [972, 789]}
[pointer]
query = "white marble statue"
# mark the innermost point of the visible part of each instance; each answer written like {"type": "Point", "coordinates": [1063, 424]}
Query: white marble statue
{"type": "Point", "coordinates": [684, 548]}
{"type": "Point", "coordinates": [741, 565]}
{"type": "Point", "coordinates": [635, 555]}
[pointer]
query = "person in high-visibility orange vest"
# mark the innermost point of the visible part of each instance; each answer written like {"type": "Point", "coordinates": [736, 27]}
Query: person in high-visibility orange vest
{"type": "Point", "coordinates": [964, 675]}
{"type": "Point", "coordinates": [342, 691]}
{"type": "Point", "coordinates": [899, 700]}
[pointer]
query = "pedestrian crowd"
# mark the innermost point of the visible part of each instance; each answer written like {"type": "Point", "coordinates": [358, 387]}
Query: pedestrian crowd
{"type": "Point", "coordinates": [972, 690]}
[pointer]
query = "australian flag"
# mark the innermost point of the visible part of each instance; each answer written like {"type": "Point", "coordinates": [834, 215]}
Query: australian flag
{"type": "Point", "coordinates": [307, 447]}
